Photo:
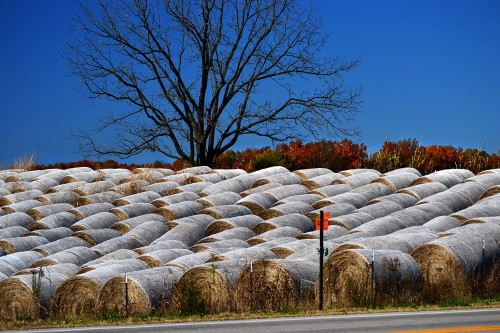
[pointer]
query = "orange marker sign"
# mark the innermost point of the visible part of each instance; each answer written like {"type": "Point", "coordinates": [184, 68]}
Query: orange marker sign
{"type": "Point", "coordinates": [326, 216]}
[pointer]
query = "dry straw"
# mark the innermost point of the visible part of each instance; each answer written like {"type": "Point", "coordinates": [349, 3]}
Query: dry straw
{"type": "Point", "coordinates": [130, 187]}
{"type": "Point", "coordinates": [247, 221]}
{"type": "Point", "coordinates": [101, 220]}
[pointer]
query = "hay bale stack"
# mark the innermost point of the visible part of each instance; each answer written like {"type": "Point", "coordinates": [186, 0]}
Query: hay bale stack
{"type": "Point", "coordinates": [379, 209]}
{"type": "Point", "coordinates": [246, 221]}
{"type": "Point", "coordinates": [207, 178]}
{"type": "Point", "coordinates": [163, 245]}
{"type": "Point", "coordinates": [175, 198]}
{"type": "Point", "coordinates": [77, 296]}
{"type": "Point", "coordinates": [335, 210]}
{"type": "Point", "coordinates": [24, 175]}
{"type": "Point", "coordinates": [50, 234]}
{"type": "Point", "coordinates": [451, 264]}
{"type": "Point", "coordinates": [274, 234]}
{"type": "Point", "coordinates": [357, 180]}
{"type": "Point", "coordinates": [224, 198]}
{"type": "Point", "coordinates": [208, 288]}
{"type": "Point", "coordinates": [286, 191]}
{"type": "Point", "coordinates": [40, 212]}
{"type": "Point", "coordinates": [350, 221]}
{"type": "Point", "coordinates": [241, 233]}
{"type": "Point", "coordinates": [65, 187]}
{"type": "Point", "coordinates": [21, 207]}
{"type": "Point", "coordinates": [286, 209]}
{"type": "Point", "coordinates": [132, 210]}
{"type": "Point", "coordinates": [226, 211]}
{"type": "Point", "coordinates": [149, 231]}
{"type": "Point", "coordinates": [404, 242]}
{"type": "Point", "coordinates": [486, 219]}
{"type": "Point", "coordinates": [308, 198]}
{"type": "Point", "coordinates": [14, 262]}
{"type": "Point", "coordinates": [188, 234]}
{"type": "Point", "coordinates": [442, 223]}
{"type": "Point", "coordinates": [306, 174]}
{"type": "Point", "coordinates": [405, 200]}
{"type": "Point", "coordinates": [285, 178]}
{"type": "Point", "coordinates": [179, 210]}
{"type": "Point", "coordinates": [56, 175]}
{"type": "Point", "coordinates": [142, 197]}
{"type": "Point", "coordinates": [94, 188]}
{"type": "Point", "coordinates": [299, 221]}
{"type": "Point", "coordinates": [487, 180]}
{"type": "Point", "coordinates": [128, 225]}
{"type": "Point", "coordinates": [448, 177]}
{"type": "Point", "coordinates": [194, 187]}
{"type": "Point", "coordinates": [276, 284]}
{"type": "Point", "coordinates": [96, 236]}
{"type": "Point", "coordinates": [40, 184]}
{"type": "Point", "coordinates": [159, 258]}
{"type": "Point", "coordinates": [14, 231]}
{"type": "Point", "coordinates": [57, 197]}
{"type": "Point", "coordinates": [257, 202]}
{"type": "Point", "coordinates": [60, 245]}
{"type": "Point", "coordinates": [333, 232]}
{"type": "Point", "coordinates": [397, 181]}
{"type": "Point", "coordinates": [201, 220]}
{"type": "Point", "coordinates": [149, 291]}
{"type": "Point", "coordinates": [15, 219]}
{"type": "Point", "coordinates": [63, 219]}
{"type": "Point", "coordinates": [424, 190]}
{"type": "Point", "coordinates": [101, 220]}
{"type": "Point", "coordinates": [86, 176]}
{"type": "Point", "coordinates": [20, 244]}
{"type": "Point", "coordinates": [117, 243]}
{"type": "Point", "coordinates": [221, 246]}
{"type": "Point", "coordinates": [162, 188]}
{"type": "Point", "coordinates": [191, 260]}
{"type": "Point", "coordinates": [19, 197]}
{"type": "Point", "coordinates": [259, 189]}
{"type": "Point", "coordinates": [89, 210]}
{"type": "Point", "coordinates": [353, 172]}
{"type": "Point", "coordinates": [356, 200]}
{"type": "Point", "coordinates": [489, 206]}
{"type": "Point", "coordinates": [284, 250]}
{"type": "Point", "coordinates": [79, 256]}
{"type": "Point", "coordinates": [247, 254]}
{"type": "Point", "coordinates": [115, 256]}
{"type": "Point", "coordinates": [350, 280]}
{"type": "Point", "coordinates": [107, 196]}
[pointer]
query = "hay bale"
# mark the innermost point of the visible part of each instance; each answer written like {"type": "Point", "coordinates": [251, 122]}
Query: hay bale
{"type": "Point", "coordinates": [148, 232]}
{"type": "Point", "coordinates": [246, 221]}
{"type": "Point", "coordinates": [220, 199]}
{"type": "Point", "coordinates": [176, 178]}
{"type": "Point", "coordinates": [220, 246]}
{"type": "Point", "coordinates": [442, 223]}
{"type": "Point", "coordinates": [286, 191]}
{"type": "Point", "coordinates": [188, 234]}
{"type": "Point", "coordinates": [112, 257]}
{"type": "Point", "coordinates": [208, 288]}
{"type": "Point", "coordinates": [58, 220]}
{"type": "Point", "coordinates": [285, 178]}
{"type": "Point", "coordinates": [306, 174]}
{"type": "Point", "coordinates": [201, 220]}
{"type": "Point", "coordinates": [162, 188]}
{"type": "Point", "coordinates": [490, 192]}
{"type": "Point", "coordinates": [487, 180]}
{"type": "Point", "coordinates": [50, 234]}
{"type": "Point", "coordinates": [65, 187]}
{"type": "Point", "coordinates": [351, 220]}
{"type": "Point", "coordinates": [423, 190]}
{"type": "Point", "coordinates": [14, 262]}
{"type": "Point", "coordinates": [163, 171]}
{"type": "Point", "coordinates": [19, 197]}
{"type": "Point", "coordinates": [108, 196]}
{"type": "Point", "coordinates": [403, 171]}
{"type": "Point", "coordinates": [226, 211]}
{"type": "Point", "coordinates": [93, 188]}
{"type": "Point", "coordinates": [229, 173]}
{"type": "Point", "coordinates": [132, 210]}
{"type": "Point", "coordinates": [15, 219]}
{"type": "Point", "coordinates": [101, 220]}
{"type": "Point", "coordinates": [78, 255]}
{"type": "Point", "coordinates": [96, 236]}
{"type": "Point", "coordinates": [284, 250]}
{"type": "Point", "coordinates": [241, 233]}
{"type": "Point", "coordinates": [247, 254]}
{"type": "Point", "coordinates": [159, 258]}
{"type": "Point", "coordinates": [13, 231]}
{"type": "Point", "coordinates": [379, 209]}
{"type": "Point", "coordinates": [486, 219]}
{"type": "Point", "coordinates": [78, 295]}
{"type": "Point", "coordinates": [180, 209]}
{"type": "Point", "coordinates": [163, 245]}
{"type": "Point", "coordinates": [333, 232]}
{"type": "Point", "coordinates": [207, 178]}
{"type": "Point", "coordinates": [353, 172]}
{"type": "Point", "coordinates": [175, 198]}
{"type": "Point", "coordinates": [299, 221]}
{"type": "Point", "coordinates": [149, 291]}
{"type": "Point", "coordinates": [350, 278]}
{"type": "Point", "coordinates": [196, 170]}
{"type": "Point", "coordinates": [65, 269]}
{"type": "Point", "coordinates": [276, 284]}
{"type": "Point", "coordinates": [117, 243]}
{"type": "Point", "coordinates": [448, 177]}
{"type": "Point", "coordinates": [128, 225]}
{"type": "Point", "coordinates": [189, 261]}
{"type": "Point", "coordinates": [397, 181]}
{"type": "Point", "coordinates": [130, 187]}
{"type": "Point", "coordinates": [57, 197]}
{"type": "Point", "coordinates": [337, 209]}
{"type": "Point", "coordinates": [286, 209]}
{"type": "Point", "coordinates": [40, 184]}
{"type": "Point", "coordinates": [356, 200]}
{"type": "Point", "coordinates": [60, 245]}
{"type": "Point", "coordinates": [308, 198]}
{"type": "Point", "coordinates": [86, 176]}
{"type": "Point", "coordinates": [480, 209]}
{"type": "Point", "coordinates": [20, 244]}
{"type": "Point", "coordinates": [274, 234]}
{"type": "Point", "coordinates": [25, 175]}
{"type": "Point", "coordinates": [405, 200]}
{"type": "Point", "coordinates": [357, 180]}
{"type": "Point", "coordinates": [56, 175]}
{"type": "Point", "coordinates": [142, 197]}
{"type": "Point", "coordinates": [259, 189]}
{"type": "Point", "coordinates": [194, 187]}
{"type": "Point", "coordinates": [21, 207]}
{"type": "Point", "coordinates": [404, 242]}
{"type": "Point", "coordinates": [89, 210]}
{"type": "Point", "coordinates": [257, 202]}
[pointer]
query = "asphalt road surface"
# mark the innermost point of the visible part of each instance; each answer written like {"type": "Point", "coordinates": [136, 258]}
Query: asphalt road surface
{"type": "Point", "coordinates": [481, 320]}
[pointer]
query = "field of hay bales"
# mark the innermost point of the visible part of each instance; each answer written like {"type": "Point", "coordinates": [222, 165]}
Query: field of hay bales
{"type": "Point", "coordinates": [90, 242]}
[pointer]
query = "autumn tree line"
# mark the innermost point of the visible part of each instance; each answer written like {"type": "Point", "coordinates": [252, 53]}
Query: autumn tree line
{"type": "Point", "coordinates": [334, 155]}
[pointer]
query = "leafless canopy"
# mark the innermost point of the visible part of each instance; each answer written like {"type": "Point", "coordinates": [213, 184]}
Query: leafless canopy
{"type": "Point", "coordinates": [196, 75]}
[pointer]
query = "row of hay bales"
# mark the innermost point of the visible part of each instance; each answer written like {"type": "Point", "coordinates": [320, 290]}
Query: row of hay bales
{"type": "Point", "coordinates": [80, 242]}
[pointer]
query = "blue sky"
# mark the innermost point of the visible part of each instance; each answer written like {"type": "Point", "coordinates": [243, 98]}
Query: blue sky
{"type": "Point", "coordinates": [430, 70]}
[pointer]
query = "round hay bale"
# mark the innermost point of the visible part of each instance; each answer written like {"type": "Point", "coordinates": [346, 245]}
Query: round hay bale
{"type": "Point", "coordinates": [130, 187]}
{"type": "Point", "coordinates": [142, 197]}
{"type": "Point", "coordinates": [241, 233]}
{"type": "Point", "coordinates": [397, 181]}
{"type": "Point", "coordinates": [351, 220]}
{"type": "Point", "coordinates": [448, 177]}
{"type": "Point", "coordinates": [60, 245]}
{"type": "Point", "coordinates": [163, 171]}
{"type": "Point", "coordinates": [108, 196]}
{"type": "Point", "coordinates": [20, 244]}
{"type": "Point", "coordinates": [40, 184]}
{"type": "Point", "coordinates": [480, 209]}
{"type": "Point", "coordinates": [333, 232]}
{"type": "Point", "coordinates": [163, 245]}
{"type": "Point", "coordinates": [194, 187]}
{"type": "Point", "coordinates": [65, 187]}
{"type": "Point", "coordinates": [284, 250]}
{"type": "Point", "coordinates": [14, 262]}
{"type": "Point", "coordinates": [350, 278]}
{"type": "Point", "coordinates": [93, 188]}
{"type": "Point", "coordinates": [57, 197]}
{"type": "Point", "coordinates": [56, 175]}
{"type": "Point", "coordinates": [259, 189]}
{"type": "Point", "coordinates": [379, 209]}
{"type": "Point", "coordinates": [175, 198]}
{"type": "Point", "coordinates": [89, 210]}
{"type": "Point", "coordinates": [273, 242]}
{"type": "Point", "coordinates": [176, 178]}
{"type": "Point", "coordinates": [308, 198]}
{"type": "Point", "coordinates": [286, 191]}
{"type": "Point", "coordinates": [490, 192]}
{"type": "Point", "coordinates": [196, 170]}
{"type": "Point", "coordinates": [273, 234]}
{"type": "Point", "coordinates": [179, 210]}
{"type": "Point", "coordinates": [285, 178]}
{"type": "Point", "coordinates": [112, 257]}
{"type": "Point", "coordinates": [15, 219]}
{"type": "Point", "coordinates": [404, 242]}
{"type": "Point", "coordinates": [25, 175]}
{"type": "Point", "coordinates": [149, 231]}
{"type": "Point", "coordinates": [96, 236]}
{"type": "Point", "coordinates": [208, 288]}
{"type": "Point", "coordinates": [132, 210]}
{"type": "Point", "coordinates": [229, 173]}
{"type": "Point", "coordinates": [100, 220]}
{"type": "Point", "coordinates": [299, 221]}
{"type": "Point", "coordinates": [403, 171]}
{"type": "Point", "coordinates": [487, 180]}
{"type": "Point", "coordinates": [257, 202]}
{"type": "Point", "coordinates": [50, 234]}
{"type": "Point", "coordinates": [357, 180]}
{"type": "Point", "coordinates": [353, 172]}
{"type": "Point", "coordinates": [162, 188]}
{"type": "Point", "coordinates": [67, 270]}
{"type": "Point", "coordinates": [188, 234]}
{"type": "Point", "coordinates": [77, 296]}
{"type": "Point", "coordinates": [385, 225]}
{"type": "Point", "coordinates": [405, 200]}
{"type": "Point", "coordinates": [151, 176]}
{"type": "Point", "coordinates": [276, 284]}
{"type": "Point", "coordinates": [486, 219]}
{"type": "Point", "coordinates": [86, 176]}
{"type": "Point", "coordinates": [149, 291]}
{"type": "Point", "coordinates": [247, 254]}
{"type": "Point", "coordinates": [201, 220]}
{"type": "Point", "coordinates": [236, 184]}
{"type": "Point", "coordinates": [356, 200]}
{"type": "Point", "coordinates": [220, 246]}
{"type": "Point", "coordinates": [335, 210]}
{"type": "Point", "coordinates": [159, 258]}
{"type": "Point", "coordinates": [63, 219]}
{"type": "Point", "coordinates": [189, 261]}
{"type": "Point", "coordinates": [286, 209]}
{"type": "Point", "coordinates": [454, 200]}
{"type": "Point", "coordinates": [116, 176]}
{"type": "Point", "coordinates": [209, 178]}
{"type": "Point", "coordinates": [224, 198]}
{"type": "Point", "coordinates": [306, 174]}
{"type": "Point", "coordinates": [226, 211]}
{"type": "Point", "coordinates": [19, 197]}
{"type": "Point", "coordinates": [14, 231]}
{"type": "Point", "coordinates": [78, 255]}
{"type": "Point", "coordinates": [442, 223]}
{"type": "Point", "coordinates": [21, 207]}
{"type": "Point", "coordinates": [117, 243]}
{"type": "Point", "coordinates": [246, 221]}
{"type": "Point", "coordinates": [127, 225]}
{"type": "Point", "coordinates": [373, 190]}
{"type": "Point", "coordinates": [424, 190]}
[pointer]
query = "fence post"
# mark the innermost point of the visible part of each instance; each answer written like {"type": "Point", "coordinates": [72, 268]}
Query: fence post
{"type": "Point", "coordinates": [373, 278]}
{"type": "Point", "coordinates": [126, 294]}
{"type": "Point", "coordinates": [251, 286]}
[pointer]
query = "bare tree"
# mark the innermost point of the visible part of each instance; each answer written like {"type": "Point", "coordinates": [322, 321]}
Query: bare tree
{"type": "Point", "coordinates": [197, 75]}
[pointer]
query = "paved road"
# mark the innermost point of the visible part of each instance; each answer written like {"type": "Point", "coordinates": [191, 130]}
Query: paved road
{"type": "Point", "coordinates": [483, 320]}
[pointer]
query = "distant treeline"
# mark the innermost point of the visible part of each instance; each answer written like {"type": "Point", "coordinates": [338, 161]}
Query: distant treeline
{"type": "Point", "coordinates": [334, 155]}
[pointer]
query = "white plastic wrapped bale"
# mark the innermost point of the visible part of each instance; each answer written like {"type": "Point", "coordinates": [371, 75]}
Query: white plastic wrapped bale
{"type": "Point", "coordinates": [10, 199]}
{"type": "Point", "coordinates": [79, 255]}
{"type": "Point", "coordinates": [20, 244]}
{"type": "Point", "coordinates": [285, 209]}
{"type": "Point", "coordinates": [159, 258]}
{"type": "Point", "coordinates": [129, 224]}
{"type": "Point", "coordinates": [248, 221]}
{"type": "Point", "coordinates": [89, 210]}
{"type": "Point", "coordinates": [107, 196]}
{"type": "Point", "coordinates": [180, 209]}
{"type": "Point", "coordinates": [132, 210]}
{"type": "Point", "coordinates": [257, 202]}
{"type": "Point", "coordinates": [142, 197]}
{"type": "Point", "coordinates": [101, 220]}
{"type": "Point", "coordinates": [15, 219]}
{"type": "Point", "coordinates": [219, 199]}
{"type": "Point", "coordinates": [273, 234]}
{"type": "Point", "coordinates": [58, 220]}
{"type": "Point", "coordinates": [241, 233]}
{"type": "Point", "coordinates": [299, 221]}
{"type": "Point", "coordinates": [175, 198]}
